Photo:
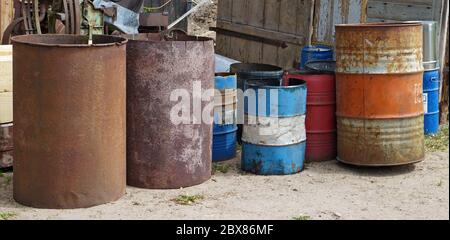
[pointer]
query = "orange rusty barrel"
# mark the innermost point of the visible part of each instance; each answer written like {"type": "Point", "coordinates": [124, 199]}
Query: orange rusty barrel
{"type": "Point", "coordinates": [70, 122]}
{"type": "Point", "coordinates": [379, 77]}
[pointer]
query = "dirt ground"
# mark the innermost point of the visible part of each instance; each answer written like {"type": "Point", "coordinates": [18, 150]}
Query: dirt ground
{"type": "Point", "coordinates": [327, 190]}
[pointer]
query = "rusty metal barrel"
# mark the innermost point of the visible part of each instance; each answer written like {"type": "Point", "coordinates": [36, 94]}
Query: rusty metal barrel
{"type": "Point", "coordinates": [162, 152]}
{"type": "Point", "coordinates": [380, 113]}
{"type": "Point", "coordinates": [70, 121]}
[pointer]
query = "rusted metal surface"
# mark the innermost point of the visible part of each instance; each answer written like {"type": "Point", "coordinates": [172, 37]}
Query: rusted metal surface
{"type": "Point", "coordinates": [161, 154]}
{"type": "Point", "coordinates": [382, 142]}
{"type": "Point", "coordinates": [379, 48]}
{"type": "Point", "coordinates": [6, 145]}
{"type": "Point", "coordinates": [69, 107]}
{"type": "Point", "coordinates": [379, 94]}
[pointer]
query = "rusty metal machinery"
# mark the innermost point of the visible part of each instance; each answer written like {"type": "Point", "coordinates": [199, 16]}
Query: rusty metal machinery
{"type": "Point", "coordinates": [73, 17]}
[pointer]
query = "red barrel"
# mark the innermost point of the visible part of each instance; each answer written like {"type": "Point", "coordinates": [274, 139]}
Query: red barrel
{"type": "Point", "coordinates": [320, 115]}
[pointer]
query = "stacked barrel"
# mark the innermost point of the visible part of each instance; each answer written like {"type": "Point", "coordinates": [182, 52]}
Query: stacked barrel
{"type": "Point", "coordinates": [315, 53]}
{"type": "Point", "coordinates": [379, 73]}
{"type": "Point", "coordinates": [225, 127]}
{"type": "Point", "coordinates": [321, 110]}
{"type": "Point", "coordinates": [431, 78]}
{"type": "Point", "coordinates": [6, 106]}
{"type": "Point", "coordinates": [252, 72]}
{"type": "Point", "coordinates": [274, 137]}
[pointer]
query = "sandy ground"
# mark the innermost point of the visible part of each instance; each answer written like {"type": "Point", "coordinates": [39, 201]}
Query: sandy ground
{"type": "Point", "coordinates": [323, 191]}
{"type": "Point", "coordinates": [205, 17]}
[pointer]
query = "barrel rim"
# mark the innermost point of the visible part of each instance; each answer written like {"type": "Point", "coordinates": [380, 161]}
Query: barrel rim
{"type": "Point", "coordinates": [270, 68]}
{"type": "Point", "coordinates": [296, 72]}
{"type": "Point", "coordinates": [314, 47]}
{"type": "Point", "coordinates": [379, 25]}
{"type": "Point", "coordinates": [33, 40]}
{"type": "Point", "coordinates": [312, 69]}
{"type": "Point", "coordinates": [263, 85]}
{"type": "Point", "coordinates": [224, 74]}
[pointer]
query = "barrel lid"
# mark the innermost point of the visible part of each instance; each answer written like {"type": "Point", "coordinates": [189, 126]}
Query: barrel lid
{"type": "Point", "coordinates": [321, 66]}
{"type": "Point", "coordinates": [317, 48]}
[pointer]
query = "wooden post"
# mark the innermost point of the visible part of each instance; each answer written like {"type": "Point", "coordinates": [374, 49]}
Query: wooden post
{"type": "Point", "coordinates": [6, 14]}
{"type": "Point", "coordinates": [443, 52]}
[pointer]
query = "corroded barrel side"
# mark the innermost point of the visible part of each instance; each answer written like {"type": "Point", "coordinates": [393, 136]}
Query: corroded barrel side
{"type": "Point", "coordinates": [69, 112]}
{"type": "Point", "coordinates": [160, 153]}
{"type": "Point", "coordinates": [379, 94]}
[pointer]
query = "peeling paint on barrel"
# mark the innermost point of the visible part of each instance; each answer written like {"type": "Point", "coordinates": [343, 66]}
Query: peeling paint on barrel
{"type": "Point", "coordinates": [160, 154]}
{"type": "Point", "coordinates": [379, 94]}
{"type": "Point", "coordinates": [69, 120]}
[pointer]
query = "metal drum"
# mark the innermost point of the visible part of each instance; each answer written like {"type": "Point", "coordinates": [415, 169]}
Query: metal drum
{"type": "Point", "coordinates": [430, 43]}
{"type": "Point", "coordinates": [225, 128]}
{"type": "Point", "coordinates": [274, 138]}
{"type": "Point", "coordinates": [431, 84]}
{"type": "Point", "coordinates": [69, 112]}
{"type": "Point", "coordinates": [252, 71]}
{"type": "Point", "coordinates": [162, 153]}
{"type": "Point", "coordinates": [320, 115]}
{"type": "Point", "coordinates": [379, 78]}
{"type": "Point", "coordinates": [315, 52]}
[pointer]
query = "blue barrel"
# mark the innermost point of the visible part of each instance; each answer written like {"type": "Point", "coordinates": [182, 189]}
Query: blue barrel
{"type": "Point", "coordinates": [314, 53]}
{"type": "Point", "coordinates": [225, 128]}
{"type": "Point", "coordinates": [274, 136]}
{"type": "Point", "coordinates": [431, 82]}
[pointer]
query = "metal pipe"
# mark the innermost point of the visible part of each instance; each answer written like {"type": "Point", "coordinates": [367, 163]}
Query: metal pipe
{"type": "Point", "coordinates": [194, 9]}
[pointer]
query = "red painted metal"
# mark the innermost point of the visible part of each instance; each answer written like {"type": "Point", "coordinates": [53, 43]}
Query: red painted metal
{"type": "Point", "coordinates": [320, 116]}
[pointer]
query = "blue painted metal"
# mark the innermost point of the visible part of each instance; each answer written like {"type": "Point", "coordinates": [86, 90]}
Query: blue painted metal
{"type": "Point", "coordinates": [275, 154]}
{"type": "Point", "coordinates": [224, 143]}
{"type": "Point", "coordinates": [224, 81]}
{"type": "Point", "coordinates": [314, 53]}
{"type": "Point", "coordinates": [224, 139]}
{"type": "Point", "coordinates": [291, 99]}
{"type": "Point", "coordinates": [273, 160]}
{"type": "Point", "coordinates": [431, 83]}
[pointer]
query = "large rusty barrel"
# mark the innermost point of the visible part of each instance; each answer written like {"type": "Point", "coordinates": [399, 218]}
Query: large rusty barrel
{"type": "Point", "coordinates": [380, 113]}
{"type": "Point", "coordinates": [162, 152]}
{"type": "Point", "coordinates": [70, 121]}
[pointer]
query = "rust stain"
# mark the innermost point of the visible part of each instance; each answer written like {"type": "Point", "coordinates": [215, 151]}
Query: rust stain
{"type": "Point", "coordinates": [379, 94]}
{"type": "Point", "coordinates": [370, 142]}
{"type": "Point", "coordinates": [379, 48]}
{"type": "Point", "coordinates": [160, 154]}
{"type": "Point", "coordinates": [69, 120]}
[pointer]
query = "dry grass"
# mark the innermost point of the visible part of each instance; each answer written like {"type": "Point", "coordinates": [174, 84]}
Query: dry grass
{"type": "Point", "coordinates": [438, 142]}
{"type": "Point", "coordinates": [188, 200]}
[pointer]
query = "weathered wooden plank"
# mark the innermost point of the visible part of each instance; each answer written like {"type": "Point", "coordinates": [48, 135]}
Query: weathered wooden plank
{"type": "Point", "coordinates": [399, 11]}
{"type": "Point", "coordinates": [289, 19]}
{"type": "Point", "coordinates": [238, 47]}
{"type": "Point", "coordinates": [225, 10]}
{"type": "Point", "coordinates": [271, 22]}
{"type": "Point", "coordinates": [222, 44]}
{"type": "Point", "coordinates": [256, 19]}
{"type": "Point", "coordinates": [261, 32]}
{"type": "Point", "coordinates": [239, 11]}
{"type": "Point", "coordinates": [6, 15]}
